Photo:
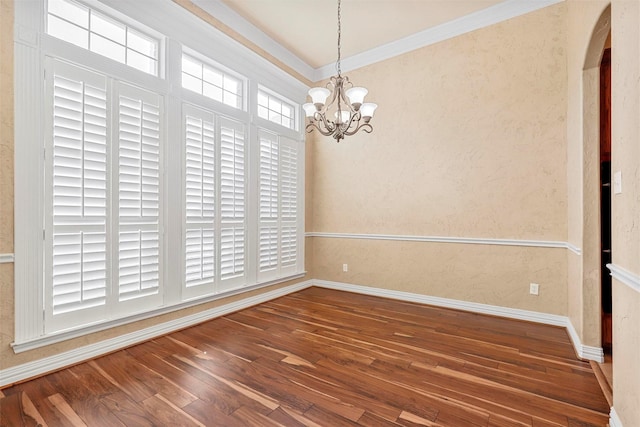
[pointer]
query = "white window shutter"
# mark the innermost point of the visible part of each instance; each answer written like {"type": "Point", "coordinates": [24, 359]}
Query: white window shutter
{"type": "Point", "coordinates": [278, 209]}
{"type": "Point", "coordinates": [268, 211]}
{"type": "Point", "coordinates": [232, 203]}
{"type": "Point", "coordinates": [76, 279]}
{"type": "Point", "coordinates": [289, 184]}
{"type": "Point", "coordinates": [138, 264]}
{"type": "Point", "coordinates": [200, 201]}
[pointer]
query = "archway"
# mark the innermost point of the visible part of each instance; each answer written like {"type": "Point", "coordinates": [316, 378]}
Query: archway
{"type": "Point", "coordinates": [591, 181]}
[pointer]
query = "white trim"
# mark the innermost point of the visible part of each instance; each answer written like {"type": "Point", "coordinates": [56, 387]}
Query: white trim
{"type": "Point", "coordinates": [630, 279]}
{"type": "Point", "coordinates": [447, 239]}
{"type": "Point", "coordinates": [22, 346]}
{"type": "Point", "coordinates": [614, 419]}
{"type": "Point", "coordinates": [6, 258]}
{"type": "Point", "coordinates": [483, 18]}
{"type": "Point", "coordinates": [38, 367]}
{"type": "Point", "coordinates": [584, 352]}
{"type": "Point", "coordinates": [573, 248]}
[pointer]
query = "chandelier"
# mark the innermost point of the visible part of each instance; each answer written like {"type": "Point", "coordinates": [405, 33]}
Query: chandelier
{"type": "Point", "coordinates": [346, 112]}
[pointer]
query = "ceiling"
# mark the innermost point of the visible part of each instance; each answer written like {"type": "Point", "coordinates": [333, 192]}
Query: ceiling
{"type": "Point", "coordinates": [308, 28]}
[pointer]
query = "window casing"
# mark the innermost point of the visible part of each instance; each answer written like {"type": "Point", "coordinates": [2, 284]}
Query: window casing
{"type": "Point", "coordinates": [148, 192]}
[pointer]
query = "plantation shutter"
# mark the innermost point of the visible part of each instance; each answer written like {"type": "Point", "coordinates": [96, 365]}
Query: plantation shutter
{"type": "Point", "coordinates": [76, 236]}
{"type": "Point", "coordinates": [200, 201]}
{"type": "Point", "coordinates": [232, 203]}
{"type": "Point", "coordinates": [268, 228]}
{"type": "Point", "coordinates": [138, 151]}
{"type": "Point", "coordinates": [278, 209]}
{"type": "Point", "coordinates": [289, 184]}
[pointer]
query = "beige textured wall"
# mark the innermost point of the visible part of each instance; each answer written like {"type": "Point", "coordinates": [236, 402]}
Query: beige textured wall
{"type": "Point", "coordinates": [625, 127]}
{"type": "Point", "coordinates": [469, 141]}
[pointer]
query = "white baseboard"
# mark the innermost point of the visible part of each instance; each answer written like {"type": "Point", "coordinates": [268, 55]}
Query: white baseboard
{"type": "Point", "coordinates": [583, 351]}
{"type": "Point", "coordinates": [614, 420]}
{"type": "Point", "coordinates": [49, 364]}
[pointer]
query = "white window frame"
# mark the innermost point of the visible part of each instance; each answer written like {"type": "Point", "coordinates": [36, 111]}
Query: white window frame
{"type": "Point", "coordinates": [270, 94]}
{"type": "Point", "coordinates": [180, 31]}
{"type": "Point", "coordinates": [225, 71]}
{"type": "Point", "coordinates": [116, 19]}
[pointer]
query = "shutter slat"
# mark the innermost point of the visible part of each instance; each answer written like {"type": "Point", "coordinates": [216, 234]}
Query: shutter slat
{"type": "Point", "coordinates": [199, 200]}
{"type": "Point", "coordinates": [78, 276]}
{"type": "Point", "coordinates": [139, 193]}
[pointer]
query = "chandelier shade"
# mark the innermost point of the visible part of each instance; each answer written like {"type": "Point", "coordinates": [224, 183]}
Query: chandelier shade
{"type": "Point", "coordinates": [345, 113]}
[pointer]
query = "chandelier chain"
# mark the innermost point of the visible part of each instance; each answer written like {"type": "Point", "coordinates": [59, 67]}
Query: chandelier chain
{"type": "Point", "coordinates": [339, 38]}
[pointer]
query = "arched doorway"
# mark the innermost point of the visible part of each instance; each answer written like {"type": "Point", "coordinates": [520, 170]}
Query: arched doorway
{"type": "Point", "coordinates": [596, 197]}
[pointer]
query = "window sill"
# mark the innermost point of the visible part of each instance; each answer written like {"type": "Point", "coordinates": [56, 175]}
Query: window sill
{"type": "Point", "coordinates": [20, 347]}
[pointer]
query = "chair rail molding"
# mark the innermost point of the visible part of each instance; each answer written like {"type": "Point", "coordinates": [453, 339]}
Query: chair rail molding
{"type": "Point", "coordinates": [625, 276]}
{"type": "Point", "coordinates": [449, 239]}
{"type": "Point", "coordinates": [6, 258]}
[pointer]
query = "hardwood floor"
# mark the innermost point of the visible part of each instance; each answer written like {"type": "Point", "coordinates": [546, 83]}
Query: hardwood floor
{"type": "Point", "coordinates": [326, 358]}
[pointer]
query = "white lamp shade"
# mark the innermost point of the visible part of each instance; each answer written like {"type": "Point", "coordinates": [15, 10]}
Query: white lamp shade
{"type": "Point", "coordinates": [319, 95]}
{"type": "Point", "coordinates": [367, 109]}
{"type": "Point", "coordinates": [344, 116]}
{"type": "Point", "coordinates": [309, 109]}
{"type": "Point", "coordinates": [356, 95]}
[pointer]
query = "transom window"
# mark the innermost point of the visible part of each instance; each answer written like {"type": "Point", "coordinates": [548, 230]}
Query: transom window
{"type": "Point", "coordinates": [276, 109]}
{"type": "Point", "coordinates": [211, 82]}
{"type": "Point", "coordinates": [91, 30]}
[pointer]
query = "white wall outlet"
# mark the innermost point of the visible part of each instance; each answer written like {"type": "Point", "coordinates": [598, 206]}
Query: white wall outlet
{"type": "Point", "coordinates": [534, 288]}
{"type": "Point", "coordinates": [617, 182]}
{"type": "Point", "coordinates": [345, 267]}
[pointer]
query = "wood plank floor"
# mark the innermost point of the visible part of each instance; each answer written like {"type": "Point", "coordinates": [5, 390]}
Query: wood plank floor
{"type": "Point", "coordinates": [326, 358]}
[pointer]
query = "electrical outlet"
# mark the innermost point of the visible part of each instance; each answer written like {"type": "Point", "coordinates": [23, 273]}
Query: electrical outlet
{"type": "Point", "coordinates": [345, 267]}
{"type": "Point", "coordinates": [534, 288]}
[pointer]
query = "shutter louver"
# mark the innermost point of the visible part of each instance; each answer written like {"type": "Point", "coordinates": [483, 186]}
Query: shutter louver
{"type": "Point", "coordinates": [289, 203]}
{"type": "Point", "coordinates": [232, 199]}
{"type": "Point", "coordinates": [199, 199]}
{"type": "Point", "coordinates": [79, 164]}
{"type": "Point", "coordinates": [139, 191]}
{"type": "Point", "coordinates": [278, 211]}
{"type": "Point", "coordinates": [268, 238]}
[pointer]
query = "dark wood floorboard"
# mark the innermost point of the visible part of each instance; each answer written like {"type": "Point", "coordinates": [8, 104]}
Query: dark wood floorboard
{"type": "Point", "coordinates": [326, 358]}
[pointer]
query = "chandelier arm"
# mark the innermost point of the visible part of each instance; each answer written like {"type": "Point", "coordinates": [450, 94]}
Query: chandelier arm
{"type": "Point", "coordinates": [322, 119]}
{"type": "Point", "coordinates": [311, 126]}
{"type": "Point", "coordinates": [366, 127]}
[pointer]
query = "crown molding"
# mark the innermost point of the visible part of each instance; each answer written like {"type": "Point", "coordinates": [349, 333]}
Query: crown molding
{"type": "Point", "coordinates": [483, 18]}
{"type": "Point", "coordinates": [235, 21]}
{"type": "Point", "coordinates": [492, 15]}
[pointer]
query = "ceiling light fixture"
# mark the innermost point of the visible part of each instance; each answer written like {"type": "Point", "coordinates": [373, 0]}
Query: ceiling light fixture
{"type": "Point", "coordinates": [346, 112]}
